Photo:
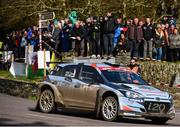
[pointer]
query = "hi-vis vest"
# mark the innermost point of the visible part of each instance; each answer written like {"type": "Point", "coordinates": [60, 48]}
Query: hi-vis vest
{"type": "Point", "coordinates": [1, 43]}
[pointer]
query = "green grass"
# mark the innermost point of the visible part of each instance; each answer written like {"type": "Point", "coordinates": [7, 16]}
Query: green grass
{"type": "Point", "coordinates": [4, 73]}
{"type": "Point", "coordinates": [7, 75]}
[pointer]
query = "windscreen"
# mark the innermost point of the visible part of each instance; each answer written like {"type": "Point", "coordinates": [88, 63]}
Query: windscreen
{"type": "Point", "coordinates": [117, 76]}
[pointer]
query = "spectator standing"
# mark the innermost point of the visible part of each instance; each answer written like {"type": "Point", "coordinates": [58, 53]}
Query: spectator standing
{"type": "Point", "coordinates": [159, 41]}
{"type": "Point", "coordinates": [88, 37]}
{"type": "Point", "coordinates": [135, 35]}
{"type": "Point", "coordinates": [148, 34]}
{"type": "Point", "coordinates": [172, 21]}
{"type": "Point", "coordinates": [167, 28]}
{"type": "Point", "coordinates": [23, 44]}
{"type": "Point", "coordinates": [64, 36]}
{"type": "Point", "coordinates": [141, 45]}
{"type": "Point", "coordinates": [118, 31]}
{"type": "Point", "coordinates": [108, 33]}
{"type": "Point", "coordinates": [56, 35]}
{"type": "Point", "coordinates": [165, 46]}
{"type": "Point", "coordinates": [17, 44]}
{"type": "Point", "coordinates": [175, 45]}
{"type": "Point", "coordinates": [101, 21]}
{"type": "Point", "coordinates": [78, 36]}
{"type": "Point", "coordinates": [96, 37]}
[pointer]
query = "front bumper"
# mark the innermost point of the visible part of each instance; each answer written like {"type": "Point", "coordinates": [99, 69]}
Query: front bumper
{"type": "Point", "coordinates": [136, 108]}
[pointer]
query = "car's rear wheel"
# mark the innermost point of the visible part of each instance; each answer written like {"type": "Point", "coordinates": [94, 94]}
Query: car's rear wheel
{"type": "Point", "coordinates": [109, 109]}
{"type": "Point", "coordinates": [159, 120]}
{"type": "Point", "coordinates": [46, 101]}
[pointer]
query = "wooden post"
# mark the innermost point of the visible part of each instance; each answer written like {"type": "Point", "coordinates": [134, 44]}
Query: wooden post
{"type": "Point", "coordinates": [44, 63]}
{"type": "Point", "coordinates": [12, 58]}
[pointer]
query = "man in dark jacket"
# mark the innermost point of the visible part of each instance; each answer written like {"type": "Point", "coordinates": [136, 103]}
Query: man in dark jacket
{"type": "Point", "coordinates": [96, 37]}
{"type": "Point", "coordinates": [148, 34]}
{"type": "Point", "coordinates": [78, 35]}
{"type": "Point", "coordinates": [56, 35]}
{"type": "Point", "coordinates": [88, 37]}
{"type": "Point", "coordinates": [135, 36]}
{"type": "Point", "coordinates": [108, 33]}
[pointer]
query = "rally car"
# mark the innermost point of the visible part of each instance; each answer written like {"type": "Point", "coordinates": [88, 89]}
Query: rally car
{"type": "Point", "coordinates": [109, 91]}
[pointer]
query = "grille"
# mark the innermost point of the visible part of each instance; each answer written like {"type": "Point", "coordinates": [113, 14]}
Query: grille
{"type": "Point", "coordinates": [157, 107]}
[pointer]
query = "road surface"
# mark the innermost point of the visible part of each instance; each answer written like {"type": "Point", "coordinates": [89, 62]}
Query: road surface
{"type": "Point", "coordinates": [20, 112]}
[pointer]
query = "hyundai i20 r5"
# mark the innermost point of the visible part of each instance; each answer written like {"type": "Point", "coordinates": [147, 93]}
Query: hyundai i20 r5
{"type": "Point", "coordinates": [107, 90]}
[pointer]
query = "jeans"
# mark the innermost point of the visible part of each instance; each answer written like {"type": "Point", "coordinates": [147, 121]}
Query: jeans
{"type": "Point", "coordinates": [141, 49]}
{"type": "Point", "coordinates": [96, 44]}
{"type": "Point", "coordinates": [108, 40]}
{"type": "Point", "coordinates": [78, 46]}
{"type": "Point", "coordinates": [164, 57]}
{"type": "Point", "coordinates": [158, 55]}
{"type": "Point", "coordinates": [134, 48]}
{"type": "Point", "coordinates": [148, 44]}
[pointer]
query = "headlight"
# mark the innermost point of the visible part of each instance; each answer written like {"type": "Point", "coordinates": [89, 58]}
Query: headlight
{"type": "Point", "coordinates": [131, 94]}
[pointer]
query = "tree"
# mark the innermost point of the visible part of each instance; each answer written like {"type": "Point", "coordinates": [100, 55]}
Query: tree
{"type": "Point", "coordinates": [17, 14]}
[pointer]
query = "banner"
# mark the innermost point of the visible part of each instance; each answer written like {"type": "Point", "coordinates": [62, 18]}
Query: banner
{"type": "Point", "coordinates": [41, 58]}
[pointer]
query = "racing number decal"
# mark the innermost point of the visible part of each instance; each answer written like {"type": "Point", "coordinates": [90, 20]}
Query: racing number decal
{"type": "Point", "coordinates": [156, 107]}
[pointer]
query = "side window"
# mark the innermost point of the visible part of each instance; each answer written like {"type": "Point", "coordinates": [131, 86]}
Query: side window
{"type": "Point", "coordinates": [57, 71]}
{"type": "Point", "coordinates": [89, 74]}
{"type": "Point", "coordinates": [69, 71]}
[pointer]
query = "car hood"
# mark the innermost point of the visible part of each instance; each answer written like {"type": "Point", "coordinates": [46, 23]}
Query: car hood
{"type": "Point", "coordinates": [147, 91]}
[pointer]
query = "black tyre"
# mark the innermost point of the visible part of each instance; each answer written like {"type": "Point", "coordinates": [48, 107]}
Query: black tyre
{"type": "Point", "coordinates": [46, 101]}
{"type": "Point", "coordinates": [159, 120]}
{"type": "Point", "coordinates": [109, 109]}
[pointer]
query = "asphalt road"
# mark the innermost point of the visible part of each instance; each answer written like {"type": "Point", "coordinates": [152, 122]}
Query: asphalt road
{"type": "Point", "coordinates": [20, 112]}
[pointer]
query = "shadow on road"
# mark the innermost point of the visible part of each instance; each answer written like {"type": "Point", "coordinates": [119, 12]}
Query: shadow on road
{"type": "Point", "coordinates": [11, 122]}
{"type": "Point", "coordinates": [91, 116]}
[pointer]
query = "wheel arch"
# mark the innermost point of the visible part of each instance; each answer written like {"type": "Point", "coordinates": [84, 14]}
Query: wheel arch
{"type": "Point", "coordinates": [109, 93]}
{"type": "Point", "coordinates": [57, 95]}
{"type": "Point", "coordinates": [101, 98]}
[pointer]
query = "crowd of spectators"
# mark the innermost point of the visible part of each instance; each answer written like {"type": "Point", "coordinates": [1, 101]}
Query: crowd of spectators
{"type": "Point", "coordinates": [103, 37]}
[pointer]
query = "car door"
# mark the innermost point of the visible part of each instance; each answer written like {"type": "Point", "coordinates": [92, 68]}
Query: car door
{"type": "Point", "coordinates": [66, 85]}
{"type": "Point", "coordinates": [86, 87]}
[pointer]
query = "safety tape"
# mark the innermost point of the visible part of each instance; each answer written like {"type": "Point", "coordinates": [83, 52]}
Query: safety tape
{"type": "Point", "coordinates": [52, 49]}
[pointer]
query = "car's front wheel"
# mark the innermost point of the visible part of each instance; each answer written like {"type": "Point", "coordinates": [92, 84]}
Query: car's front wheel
{"type": "Point", "coordinates": [109, 109]}
{"type": "Point", "coordinates": [46, 101]}
{"type": "Point", "coordinates": [159, 120]}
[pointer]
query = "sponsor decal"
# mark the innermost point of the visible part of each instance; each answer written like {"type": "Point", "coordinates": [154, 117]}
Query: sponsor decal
{"type": "Point", "coordinates": [113, 68]}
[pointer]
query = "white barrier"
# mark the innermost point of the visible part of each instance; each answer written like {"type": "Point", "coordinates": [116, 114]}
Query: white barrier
{"type": "Point", "coordinates": [18, 69]}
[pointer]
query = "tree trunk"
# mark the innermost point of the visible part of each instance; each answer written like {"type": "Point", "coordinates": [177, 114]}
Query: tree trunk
{"type": "Point", "coordinates": [124, 9]}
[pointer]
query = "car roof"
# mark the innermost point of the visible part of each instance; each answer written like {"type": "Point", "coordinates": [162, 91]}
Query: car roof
{"type": "Point", "coordinates": [100, 66]}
